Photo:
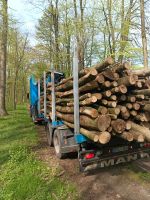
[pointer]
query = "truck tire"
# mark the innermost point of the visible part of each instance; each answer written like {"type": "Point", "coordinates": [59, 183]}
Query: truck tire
{"type": "Point", "coordinates": [49, 134]}
{"type": "Point", "coordinates": [57, 144]}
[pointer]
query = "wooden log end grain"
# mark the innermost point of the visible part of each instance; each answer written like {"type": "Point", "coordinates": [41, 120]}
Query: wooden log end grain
{"type": "Point", "coordinates": [127, 136]}
{"type": "Point", "coordinates": [103, 122]}
{"type": "Point", "coordinates": [118, 125]}
{"type": "Point", "coordinates": [100, 78]}
{"type": "Point", "coordinates": [128, 125]}
{"type": "Point", "coordinates": [104, 137]}
{"type": "Point", "coordinates": [103, 110]}
{"type": "Point", "coordinates": [123, 89]}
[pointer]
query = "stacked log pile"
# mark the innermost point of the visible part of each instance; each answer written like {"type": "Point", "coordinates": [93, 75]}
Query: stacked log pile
{"type": "Point", "coordinates": [114, 102]}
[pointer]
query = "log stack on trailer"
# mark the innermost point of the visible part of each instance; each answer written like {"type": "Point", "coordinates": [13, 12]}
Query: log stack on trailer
{"type": "Point", "coordinates": [114, 102]}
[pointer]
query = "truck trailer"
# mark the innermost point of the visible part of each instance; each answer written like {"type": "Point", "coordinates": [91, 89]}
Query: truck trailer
{"type": "Point", "coordinates": [67, 140]}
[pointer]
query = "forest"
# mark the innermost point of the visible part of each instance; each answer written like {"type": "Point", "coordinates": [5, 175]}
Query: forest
{"type": "Point", "coordinates": [116, 28]}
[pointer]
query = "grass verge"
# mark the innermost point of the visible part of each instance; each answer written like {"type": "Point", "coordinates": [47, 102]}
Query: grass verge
{"type": "Point", "coordinates": [22, 176]}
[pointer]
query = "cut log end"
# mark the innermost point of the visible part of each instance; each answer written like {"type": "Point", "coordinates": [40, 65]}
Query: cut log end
{"type": "Point", "coordinates": [103, 122]}
{"type": "Point", "coordinates": [104, 137]}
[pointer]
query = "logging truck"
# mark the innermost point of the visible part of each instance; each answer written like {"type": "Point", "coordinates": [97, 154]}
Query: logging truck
{"type": "Point", "coordinates": [86, 130]}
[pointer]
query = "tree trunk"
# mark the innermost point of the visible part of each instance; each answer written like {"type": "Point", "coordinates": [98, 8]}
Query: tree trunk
{"type": "Point", "coordinates": [3, 58]}
{"type": "Point", "coordinates": [143, 34]}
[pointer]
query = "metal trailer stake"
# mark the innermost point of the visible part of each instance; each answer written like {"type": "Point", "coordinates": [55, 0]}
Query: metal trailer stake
{"type": "Point", "coordinates": [76, 91]}
{"type": "Point", "coordinates": [39, 94]}
{"type": "Point", "coordinates": [45, 112]}
{"type": "Point", "coordinates": [53, 97]}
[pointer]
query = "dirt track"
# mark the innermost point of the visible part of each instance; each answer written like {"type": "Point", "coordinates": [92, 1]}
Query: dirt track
{"type": "Point", "coordinates": [110, 183]}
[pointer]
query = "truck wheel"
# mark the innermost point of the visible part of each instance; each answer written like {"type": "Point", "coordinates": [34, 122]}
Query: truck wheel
{"type": "Point", "coordinates": [57, 144]}
{"type": "Point", "coordinates": [49, 133]}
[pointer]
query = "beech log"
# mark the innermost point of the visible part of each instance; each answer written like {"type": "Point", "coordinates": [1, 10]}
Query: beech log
{"type": "Point", "coordinates": [103, 122]}
{"type": "Point", "coordinates": [101, 66]}
{"type": "Point", "coordinates": [128, 80]}
{"type": "Point", "coordinates": [127, 136]}
{"type": "Point", "coordinates": [143, 130]}
{"type": "Point", "coordinates": [103, 110]}
{"type": "Point", "coordinates": [85, 121]}
{"type": "Point", "coordinates": [145, 92]}
{"type": "Point", "coordinates": [114, 111]}
{"type": "Point", "coordinates": [92, 135]}
{"type": "Point", "coordinates": [118, 125]}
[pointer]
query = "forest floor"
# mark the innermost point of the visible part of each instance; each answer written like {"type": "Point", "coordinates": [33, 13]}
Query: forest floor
{"type": "Point", "coordinates": [22, 175]}
{"type": "Point", "coordinates": [30, 170]}
{"type": "Point", "coordinates": [124, 182]}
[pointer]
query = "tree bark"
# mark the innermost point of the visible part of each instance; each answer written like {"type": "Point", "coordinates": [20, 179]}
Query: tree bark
{"type": "Point", "coordinates": [144, 131]}
{"type": "Point", "coordinates": [3, 58]}
{"type": "Point", "coordinates": [143, 34]}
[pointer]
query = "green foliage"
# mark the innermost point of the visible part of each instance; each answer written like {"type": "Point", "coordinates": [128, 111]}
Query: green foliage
{"type": "Point", "coordinates": [144, 176]}
{"type": "Point", "coordinates": [22, 176]}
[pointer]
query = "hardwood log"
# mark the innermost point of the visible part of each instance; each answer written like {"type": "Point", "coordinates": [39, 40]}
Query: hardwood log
{"type": "Point", "coordinates": [137, 135]}
{"type": "Point", "coordinates": [101, 66]}
{"type": "Point", "coordinates": [143, 130]}
{"type": "Point", "coordinates": [136, 106]}
{"type": "Point", "coordinates": [100, 79]}
{"type": "Point", "coordinates": [147, 84]}
{"type": "Point", "coordinates": [146, 107]}
{"type": "Point", "coordinates": [129, 106]}
{"type": "Point", "coordinates": [112, 116]}
{"type": "Point", "coordinates": [138, 84]}
{"type": "Point", "coordinates": [87, 70]}
{"type": "Point", "coordinates": [106, 93]}
{"type": "Point", "coordinates": [145, 92]}
{"type": "Point", "coordinates": [128, 125]}
{"type": "Point", "coordinates": [120, 67]}
{"type": "Point", "coordinates": [104, 102]}
{"type": "Point", "coordinates": [127, 136]}
{"type": "Point", "coordinates": [83, 72]}
{"type": "Point", "coordinates": [89, 111]}
{"type": "Point", "coordinates": [104, 137]}
{"type": "Point", "coordinates": [133, 113]}
{"type": "Point", "coordinates": [92, 135]}
{"type": "Point", "coordinates": [109, 129]}
{"type": "Point", "coordinates": [113, 97]}
{"type": "Point", "coordinates": [89, 86]}
{"type": "Point", "coordinates": [142, 72]}
{"type": "Point", "coordinates": [140, 96]}
{"type": "Point", "coordinates": [131, 99]}
{"type": "Point", "coordinates": [85, 102]}
{"type": "Point", "coordinates": [112, 104]}
{"type": "Point", "coordinates": [126, 114]}
{"type": "Point", "coordinates": [142, 117]}
{"type": "Point", "coordinates": [120, 89]}
{"type": "Point", "coordinates": [114, 111]}
{"type": "Point", "coordinates": [103, 122]}
{"type": "Point", "coordinates": [103, 110]}
{"type": "Point", "coordinates": [118, 125]}
{"type": "Point", "coordinates": [97, 95]}
{"type": "Point", "coordinates": [110, 75]}
{"type": "Point", "coordinates": [128, 80]}
{"type": "Point", "coordinates": [106, 84]}
{"type": "Point", "coordinates": [85, 121]}
{"type": "Point", "coordinates": [85, 96]}
{"type": "Point", "coordinates": [123, 109]}
{"type": "Point", "coordinates": [113, 84]}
